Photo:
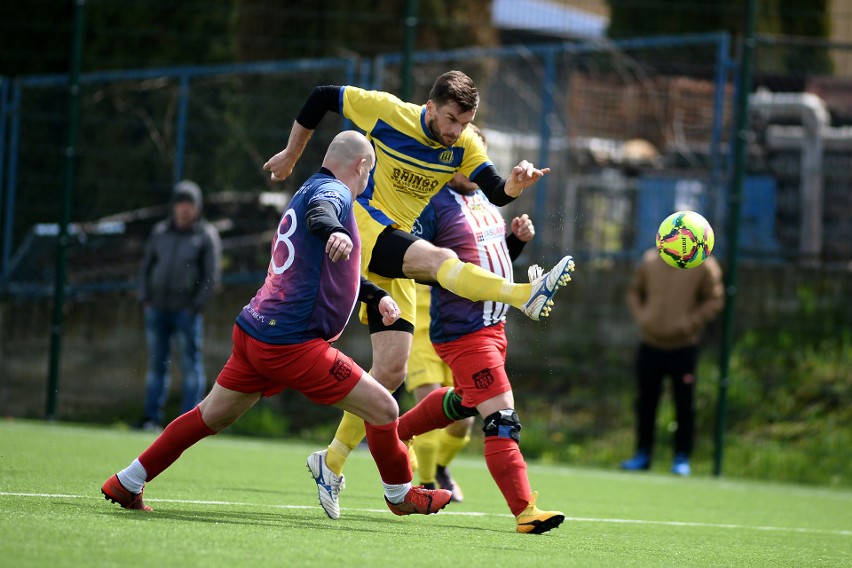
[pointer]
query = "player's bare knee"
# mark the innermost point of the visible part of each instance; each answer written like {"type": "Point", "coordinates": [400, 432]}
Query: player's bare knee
{"type": "Point", "coordinates": [391, 373]}
{"type": "Point", "coordinates": [422, 261]}
{"type": "Point", "coordinates": [443, 254]}
{"type": "Point", "coordinates": [384, 411]}
{"type": "Point", "coordinates": [503, 424]}
{"type": "Point", "coordinates": [439, 257]}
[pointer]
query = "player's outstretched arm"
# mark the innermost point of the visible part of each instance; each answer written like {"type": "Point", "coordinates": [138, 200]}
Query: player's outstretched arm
{"type": "Point", "coordinates": [281, 164]}
{"type": "Point", "coordinates": [321, 100]}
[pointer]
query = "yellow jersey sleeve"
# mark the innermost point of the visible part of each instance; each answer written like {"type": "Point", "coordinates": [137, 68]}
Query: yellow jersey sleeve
{"type": "Point", "coordinates": [411, 166]}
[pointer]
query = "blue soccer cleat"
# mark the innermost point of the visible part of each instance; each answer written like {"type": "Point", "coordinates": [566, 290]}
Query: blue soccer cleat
{"type": "Point", "coordinates": [329, 485]}
{"type": "Point", "coordinates": [545, 286]}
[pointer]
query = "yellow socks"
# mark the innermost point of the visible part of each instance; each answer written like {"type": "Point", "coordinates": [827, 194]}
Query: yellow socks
{"type": "Point", "coordinates": [349, 434]}
{"type": "Point", "coordinates": [475, 283]}
{"type": "Point", "coordinates": [449, 446]}
{"type": "Point", "coordinates": [426, 448]}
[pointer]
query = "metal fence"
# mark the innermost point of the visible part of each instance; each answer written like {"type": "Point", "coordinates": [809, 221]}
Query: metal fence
{"type": "Point", "coordinates": [140, 132]}
{"type": "Point", "coordinates": [632, 130]}
{"type": "Point", "coordinates": [596, 114]}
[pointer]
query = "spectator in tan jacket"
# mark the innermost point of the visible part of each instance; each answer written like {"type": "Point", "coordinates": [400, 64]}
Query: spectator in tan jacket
{"type": "Point", "coordinates": [671, 307]}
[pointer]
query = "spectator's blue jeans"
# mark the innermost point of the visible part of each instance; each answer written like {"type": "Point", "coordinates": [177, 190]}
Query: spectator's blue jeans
{"type": "Point", "coordinates": [160, 327]}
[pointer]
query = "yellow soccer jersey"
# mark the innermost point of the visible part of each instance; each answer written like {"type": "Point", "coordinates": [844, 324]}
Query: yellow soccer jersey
{"type": "Point", "coordinates": [410, 165]}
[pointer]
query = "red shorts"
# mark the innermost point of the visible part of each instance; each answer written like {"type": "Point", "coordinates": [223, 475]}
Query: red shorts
{"type": "Point", "coordinates": [478, 362]}
{"type": "Point", "coordinates": [314, 368]}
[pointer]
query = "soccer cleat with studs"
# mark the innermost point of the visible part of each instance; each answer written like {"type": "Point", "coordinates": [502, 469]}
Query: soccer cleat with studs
{"type": "Point", "coordinates": [329, 485]}
{"type": "Point", "coordinates": [420, 501]}
{"type": "Point", "coordinates": [545, 286]}
{"type": "Point", "coordinates": [533, 520]}
{"type": "Point", "coordinates": [114, 491]}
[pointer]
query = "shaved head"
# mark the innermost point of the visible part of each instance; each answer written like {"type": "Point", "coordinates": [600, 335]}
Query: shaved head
{"type": "Point", "coordinates": [347, 147]}
{"type": "Point", "coordinates": [350, 157]}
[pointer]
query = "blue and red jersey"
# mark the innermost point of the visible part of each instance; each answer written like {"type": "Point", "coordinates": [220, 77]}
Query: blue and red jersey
{"type": "Point", "coordinates": [474, 229]}
{"type": "Point", "coordinates": [305, 295]}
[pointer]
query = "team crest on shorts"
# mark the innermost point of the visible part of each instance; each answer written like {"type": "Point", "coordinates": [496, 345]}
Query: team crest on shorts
{"type": "Point", "coordinates": [341, 370]}
{"type": "Point", "coordinates": [483, 379]}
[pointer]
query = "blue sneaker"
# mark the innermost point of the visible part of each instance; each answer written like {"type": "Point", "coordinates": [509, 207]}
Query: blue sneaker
{"type": "Point", "coordinates": [639, 462]}
{"type": "Point", "coordinates": [681, 466]}
{"type": "Point", "coordinates": [545, 286]}
{"type": "Point", "coordinates": [329, 485]}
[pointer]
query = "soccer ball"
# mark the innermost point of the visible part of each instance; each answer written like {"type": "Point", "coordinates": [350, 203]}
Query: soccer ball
{"type": "Point", "coordinates": [685, 239]}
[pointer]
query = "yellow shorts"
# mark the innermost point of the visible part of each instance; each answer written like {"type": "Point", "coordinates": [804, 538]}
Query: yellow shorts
{"type": "Point", "coordinates": [424, 365]}
{"type": "Point", "coordinates": [400, 289]}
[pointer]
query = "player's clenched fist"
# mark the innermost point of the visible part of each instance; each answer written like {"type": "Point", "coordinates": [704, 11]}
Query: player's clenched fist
{"type": "Point", "coordinates": [522, 227]}
{"type": "Point", "coordinates": [389, 310]}
{"type": "Point", "coordinates": [280, 165]}
{"type": "Point", "coordinates": [338, 246]}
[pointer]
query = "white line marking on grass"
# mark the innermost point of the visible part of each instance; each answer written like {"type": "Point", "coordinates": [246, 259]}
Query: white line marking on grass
{"type": "Point", "coordinates": [463, 514]}
{"type": "Point", "coordinates": [710, 525]}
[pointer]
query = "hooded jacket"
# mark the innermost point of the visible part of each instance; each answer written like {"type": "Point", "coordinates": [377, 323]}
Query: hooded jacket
{"type": "Point", "coordinates": [671, 305]}
{"type": "Point", "coordinates": [181, 269]}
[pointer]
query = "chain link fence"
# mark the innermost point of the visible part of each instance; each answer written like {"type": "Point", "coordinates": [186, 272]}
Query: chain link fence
{"type": "Point", "coordinates": [632, 130]}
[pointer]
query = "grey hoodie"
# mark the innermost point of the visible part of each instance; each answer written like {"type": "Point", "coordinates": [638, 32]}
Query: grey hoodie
{"type": "Point", "coordinates": [181, 268]}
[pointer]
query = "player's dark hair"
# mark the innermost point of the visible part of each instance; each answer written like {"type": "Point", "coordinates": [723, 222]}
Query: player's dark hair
{"type": "Point", "coordinates": [455, 86]}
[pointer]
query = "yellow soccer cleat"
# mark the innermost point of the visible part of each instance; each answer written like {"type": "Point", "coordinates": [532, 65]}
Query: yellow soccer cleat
{"type": "Point", "coordinates": [533, 520]}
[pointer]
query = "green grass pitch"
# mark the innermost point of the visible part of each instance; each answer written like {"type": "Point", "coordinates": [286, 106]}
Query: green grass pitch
{"type": "Point", "coordinates": [234, 501]}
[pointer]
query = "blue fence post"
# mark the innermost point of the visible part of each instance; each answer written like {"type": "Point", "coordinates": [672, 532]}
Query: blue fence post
{"type": "Point", "coordinates": [12, 174]}
{"type": "Point", "coordinates": [180, 128]}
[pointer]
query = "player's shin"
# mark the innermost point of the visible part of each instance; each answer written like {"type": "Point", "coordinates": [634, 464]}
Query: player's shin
{"type": "Point", "coordinates": [440, 408]}
{"type": "Point", "coordinates": [449, 446]}
{"type": "Point", "coordinates": [391, 457]}
{"type": "Point", "coordinates": [504, 460]}
{"type": "Point", "coordinates": [183, 432]}
{"type": "Point", "coordinates": [475, 283]}
{"type": "Point", "coordinates": [349, 434]}
{"type": "Point", "coordinates": [426, 449]}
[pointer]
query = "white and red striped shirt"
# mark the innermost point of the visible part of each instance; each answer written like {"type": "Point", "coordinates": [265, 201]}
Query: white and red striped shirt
{"type": "Point", "coordinates": [474, 229]}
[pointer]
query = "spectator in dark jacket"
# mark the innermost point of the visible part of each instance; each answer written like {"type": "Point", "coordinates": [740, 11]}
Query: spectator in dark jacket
{"type": "Point", "coordinates": [180, 272]}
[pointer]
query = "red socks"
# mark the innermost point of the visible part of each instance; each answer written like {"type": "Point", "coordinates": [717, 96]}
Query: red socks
{"type": "Point", "coordinates": [389, 453]}
{"type": "Point", "coordinates": [428, 415]}
{"type": "Point", "coordinates": [183, 432]}
{"type": "Point", "coordinates": [509, 470]}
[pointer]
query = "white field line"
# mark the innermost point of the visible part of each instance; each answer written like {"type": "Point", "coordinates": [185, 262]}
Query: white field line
{"type": "Point", "coordinates": [466, 514]}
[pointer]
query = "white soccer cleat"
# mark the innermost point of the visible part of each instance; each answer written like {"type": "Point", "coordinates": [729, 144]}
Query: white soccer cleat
{"type": "Point", "coordinates": [545, 286]}
{"type": "Point", "coordinates": [329, 485]}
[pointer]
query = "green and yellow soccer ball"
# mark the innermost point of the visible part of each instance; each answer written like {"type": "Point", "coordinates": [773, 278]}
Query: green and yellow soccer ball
{"type": "Point", "coordinates": [685, 239]}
